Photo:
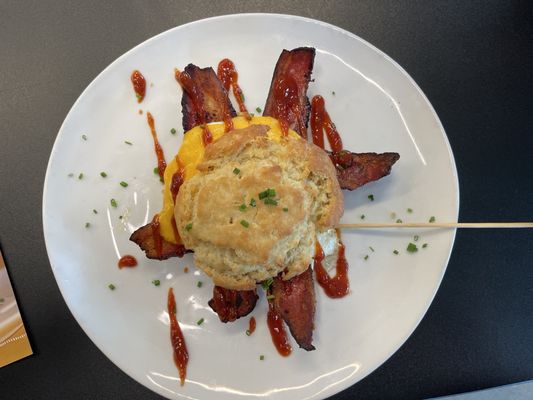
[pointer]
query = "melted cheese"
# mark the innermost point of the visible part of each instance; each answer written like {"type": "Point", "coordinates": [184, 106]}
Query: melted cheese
{"type": "Point", "coordinates": [191, 153]}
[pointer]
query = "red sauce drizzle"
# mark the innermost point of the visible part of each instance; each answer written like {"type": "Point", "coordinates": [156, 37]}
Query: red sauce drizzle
{"type": "Point", "coordinates": [337, 286]}
{"type": "Point", "coordinates": [156, 234]}
{"type": "Point", "coordinates": [277, 331]}
{"type": "Point", "coordinates": [321, 122]}
{"type": "Point", "coordinates": [251, 326]}
{"type": "Point", "coordinates": [195, 93]}
{"type": "Point", "coordinates": [161, 163]}
{"type": "Point", "coordinates": [287, 103]}
{"type": "Point", "coordinates": [181, 355]}
{"type": "Point", "coordinates": [139, 85]}
{"type": "Point", "coordinates": [127, 261]}
{"type": "Point", "coordinates": [227, 74]}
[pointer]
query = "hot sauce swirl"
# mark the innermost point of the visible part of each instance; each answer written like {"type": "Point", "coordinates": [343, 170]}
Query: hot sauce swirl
{"type": "Point", "coordinates": [321, 122]}
{"type": "Point", "coordinates": [139, 85]}
{"type": "Point", "coordinates": [161, 163]}
{"type": "Point", "coordinates": [251, 326]}
{"type": "Point", "coordinates": [188, 85]}
{"type": "Point", "coordinates": [287, 104]}
{"type": "Point", "coordinates": [127, 261]}
{"type": "Point", "coordinates": [277, 331]}
{"type": "Point", "coordinates": [181, 355]}
{"type": "Point", "coordinates": [227, 74]}
{"type": "Point", "coordinates": [338, 285]}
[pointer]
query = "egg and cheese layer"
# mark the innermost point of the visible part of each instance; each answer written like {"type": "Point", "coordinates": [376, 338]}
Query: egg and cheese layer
{"type": "Point", "coordinates": [191, 153]}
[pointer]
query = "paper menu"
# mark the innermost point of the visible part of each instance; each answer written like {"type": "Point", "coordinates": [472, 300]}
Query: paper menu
{"type": "Point", "coordinates": [14, 343]}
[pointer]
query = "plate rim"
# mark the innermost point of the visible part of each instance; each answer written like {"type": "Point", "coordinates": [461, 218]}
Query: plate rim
{"type": "Point", "coordinates": [344, 384]}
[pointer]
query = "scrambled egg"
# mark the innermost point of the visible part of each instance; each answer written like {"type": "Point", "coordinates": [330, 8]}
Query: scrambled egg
{"type": "Point", "coordinates": [191, 154]}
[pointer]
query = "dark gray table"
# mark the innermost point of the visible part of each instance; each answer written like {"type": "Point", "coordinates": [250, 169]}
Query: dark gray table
{"type": "Point", "coordinates": [474, 61]}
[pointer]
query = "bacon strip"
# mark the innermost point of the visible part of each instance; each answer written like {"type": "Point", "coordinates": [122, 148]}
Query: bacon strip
{"type": "Point", "coordinates": [294, 300]}
{"type": "Point", "coordinates": [356, 169]}
{"type": "Point", "coordinates": [212, 98]}
{"type": "Point", "coordinates": [144, 237]}
{"type": "Point", "coordinates": [232, 304]}
{"type": "Point", "coordinates": [292, 74]}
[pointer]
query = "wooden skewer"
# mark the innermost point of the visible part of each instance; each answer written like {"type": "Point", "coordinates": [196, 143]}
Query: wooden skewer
{"type": "Point", "coordinates": [439, 225]}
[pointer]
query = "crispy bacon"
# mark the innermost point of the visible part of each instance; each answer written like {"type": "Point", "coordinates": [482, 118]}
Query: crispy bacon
{"type": "Point", "coordinates": [294, 299]}
{"type": "Point", "coordinates": [232, 304]}
{"type": "Point", "coordinates": [356, 169]}
{"type": "Point", "coordinates": [207, 96]}
{"type": "Point", "coordinates": [144, 237]}
{"type": "Point", "coordinates": [287, 98]}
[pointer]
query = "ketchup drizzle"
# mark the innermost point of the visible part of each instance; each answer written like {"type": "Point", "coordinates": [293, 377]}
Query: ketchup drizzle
{"type": "Point", "coordinates": [277, 331]}
{"type": "Point", "coordinates": [251, 326]}
{"type": "Point", "coordinates": [181, 355]}
{"type": "Point", "coordinates": [337, 286]}
{"type": "Point", "coordinates": [321, 122]}
{"type": "Point", "coordinates": [195, 93]}
{"type": "Point", "coordinates": [161, 163]}
{"type": "Point", "coordinates": [227, 74]}
{"type": "Point", "coordinates": [127, 261]}
{"type": "Point", "coordinates": [287, 104]}
{"type": "Point", "coordinates": [139, 85]}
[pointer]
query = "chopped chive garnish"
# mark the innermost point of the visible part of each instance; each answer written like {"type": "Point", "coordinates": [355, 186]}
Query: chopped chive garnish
{"type": "Point", "coordinates": [366, 257]}
{"type": "Point", "coordinates": [333, 93]}
{"type": "Point", "coordinates": [409, 210]}
{"type": "Point", "coordinates": [87, 224]}
{"type": "Point", "coordinates": [199, 284]}
{"type": "Point", "coordinates": [245, 223]}
{"type": "Point", "coordinates": [156, 282]}
{"type": "Point", "coordinates": [266, 284]}
{"type": "Point", "coordinates": [156, 170]}
{"type": "Point", "coordinates": [411, 248]}
{"type": "Point", "coordinates": [362, 216]}
{"type": "Point", "coordinates": [258, 109]}
{"type": "Point", "coordinates": [80, 176]}
{"type": "Point", "coordinates": [271, 297]}
{"type": "Point", "coordinates": [111, 286]}
{"type": "Point", "coordinates": [416, 237]}
{"type": "Point", "coordinates": [252, 202]}
{"type": "Point", "coordinates": [188, 227]}
{"type": "Point", "coordinates": [123, 184]}
{"type": "Point", "coordinates": [248, 333]}
{"type": "Point", "coordinates": [432, 219]}
{"type": "Point", "coordinates": [263, 195]}
{"type": "Point", "coordinates": [200, 321]}
{"type": "Point", "coordinates": [1, 300]}
{"type": "Point", "coordinates": [95, 212]}
{"type": "Point", "coordinates": [261, 357]}
{"type": "Point", "coordinates": [70, 175]}
{"type": "Point", "coordinates": [371, 197]}
{"type": "Point", "coordinates": [130, 143]}
{"type": "Point", "coordinates": [114, 203]}
{"type": "Point", "coordinates": [285, 209]}
{"type": "Point", "coordinates": [371, 248]}
{"type": "Point", "coordinates": [242, 96]}
{"type": "Point", "coordinates": [396, 252]}
{"type": "Point", "coordinates": [103, 174]}
{"type": "Point", "coordinates": [173, 131]}
{"type": "Point", "coordinates": [424, 245]}
{"type": "Point", "coordinates": [392, 215]}
{"type": "Point", "coordinates": [84, 137]}
{"type": "Point", "coordinates": [399, 221]}
{"type": "Point", "coordinates": [236, 171]}
{"type": "Point", "coordinates": [267, 193]}
{"type": "Point", "coordinates": [120, 217]}
{"type": "Point", "coordinates": [242, 207]}
{"type": "Point", "coordinates": [271, 201]}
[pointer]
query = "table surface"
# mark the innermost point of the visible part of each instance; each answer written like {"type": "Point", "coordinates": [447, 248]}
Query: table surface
{"type": "Point", "coordinates": [473, 60]}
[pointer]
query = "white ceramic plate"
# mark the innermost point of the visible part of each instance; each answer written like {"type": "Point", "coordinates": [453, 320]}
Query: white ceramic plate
{"type": "Point", "coordinates": [376, 107]}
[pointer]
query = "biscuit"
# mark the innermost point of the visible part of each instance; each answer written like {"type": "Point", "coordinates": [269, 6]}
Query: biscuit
{"type": "Point", "coordinates": [240, 239]}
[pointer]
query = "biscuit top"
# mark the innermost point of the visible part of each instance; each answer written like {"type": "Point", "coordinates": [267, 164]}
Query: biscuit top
{"type": "Point", "coordinates": [256, 206]}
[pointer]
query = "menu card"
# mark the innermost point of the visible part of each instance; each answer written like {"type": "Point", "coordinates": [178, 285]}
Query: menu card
{"type": "Point", "coordinates": [14, 343]}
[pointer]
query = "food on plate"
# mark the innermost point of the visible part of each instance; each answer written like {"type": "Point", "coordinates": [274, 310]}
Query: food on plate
{"type": "Point", "coordinates": [255, 206]}
{"type": "Point", "coordinates": [255, 200]}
